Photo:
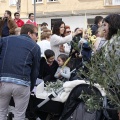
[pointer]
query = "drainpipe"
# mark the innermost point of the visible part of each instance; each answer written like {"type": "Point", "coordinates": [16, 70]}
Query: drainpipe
{"type": "Point", "coordinates": [35, 10]}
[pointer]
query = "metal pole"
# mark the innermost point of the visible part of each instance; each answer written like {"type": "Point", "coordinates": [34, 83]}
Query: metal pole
{"type": "Point", "coordinates": [35, 10]}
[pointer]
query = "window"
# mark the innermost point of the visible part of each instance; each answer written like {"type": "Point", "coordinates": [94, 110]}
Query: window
{"type": "Point", "coordinates": [53, 21]}
{"type": "Point", "coordinates": [12, 2]}
{"type": "Point", "coordinates": [52, 0]}
{"type": "Point", "coordinates": [116, 2]}
{"type": "Point", "coordinates": [111, 2]}
{"type": "Point", "coordinates": [90, 21]}
{"type": "Point", "coordinates": [37, 1]}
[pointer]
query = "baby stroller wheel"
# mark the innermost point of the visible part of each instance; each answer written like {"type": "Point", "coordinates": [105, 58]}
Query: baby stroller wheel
{"type": "Point", "coordinates": [10, 116]}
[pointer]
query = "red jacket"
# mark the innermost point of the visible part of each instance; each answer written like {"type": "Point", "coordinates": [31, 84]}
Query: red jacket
{"type": "Point", "coordinates": [32, 22]}
{"type": "Point", "coordinates": [19, 22]}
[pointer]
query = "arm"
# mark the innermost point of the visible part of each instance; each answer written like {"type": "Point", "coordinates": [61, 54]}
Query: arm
{"type": "Point", "coordinates": [57, 74]}
{"type": "Point", "coordinates": [96, 44]}
{"type": "Point", "coordinates": [58, 40]}
{"type": "Point", "coordinates": [35, 68]}
{"type": "Point", "coordinates": [65, 74]}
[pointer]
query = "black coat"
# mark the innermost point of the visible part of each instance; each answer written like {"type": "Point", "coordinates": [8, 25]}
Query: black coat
{"type": "Point", "coordinates": [47, 72]}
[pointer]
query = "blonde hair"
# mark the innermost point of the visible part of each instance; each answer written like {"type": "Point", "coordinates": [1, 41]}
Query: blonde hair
{"type": "Point", "coordinates": [46, 33]}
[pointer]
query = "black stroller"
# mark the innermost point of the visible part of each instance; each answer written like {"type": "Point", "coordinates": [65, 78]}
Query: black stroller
{"type": "Point", "coordinates": [73, 101]}
{"type": "Point", "coordinates": [64, 111]}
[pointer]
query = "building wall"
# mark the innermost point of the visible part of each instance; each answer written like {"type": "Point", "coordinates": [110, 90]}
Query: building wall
{"type": "Point", "coordinates": [61, 6]}
{"type": "Point", "coordinates": [72, 12]}
{"type": "Point", "coordinates": [72, 21]}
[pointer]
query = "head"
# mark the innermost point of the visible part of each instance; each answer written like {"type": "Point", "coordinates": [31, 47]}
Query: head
{"type": "Point", "coordinates": [67, 30]}
{"type": "Point", "coordinates": [61, 59]}
{"type": "Point", "coordinates": [81, 33]}
{"type": "Point", "coordinates": [98, 20]}
{"type": "Point", "coordinates": [100, 32]}
{"type": "Point", "coordinates": [44, 24]}
{"type": "Point", "coordinates": [17, 31]}
{"type": "Point", "coordinates": [7, 14]}
{"type": "Point", "coordinates": [59, 28]}
{"type": "Point", "coordinates": [17, 15]}
{"type": "Point", "coordinates": [31, 16]}
{"type": "Point", "coordinates": [46, 34]}
{"type": "Point", "coordinates": [50, 56]}
{"type": "Point", "coordinates": [30, 30]}
{"type": "Point", "coordinates": [86, 35]}
{"type": "Point", "coordinates": [111, 24]}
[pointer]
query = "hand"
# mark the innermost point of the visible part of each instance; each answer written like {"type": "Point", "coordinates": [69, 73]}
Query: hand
{"type": "Point", "coordinates": [61, 48]}
{"type": "Point", "coordinates": [78, 31]}
{"type": "Point", "coordinates": [81, 42]}
{"type": "Point", "coordinates": [59, 75]}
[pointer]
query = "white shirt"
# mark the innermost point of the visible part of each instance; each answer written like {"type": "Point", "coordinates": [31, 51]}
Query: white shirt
{"type": "Point", "coordinates": [44, 45]}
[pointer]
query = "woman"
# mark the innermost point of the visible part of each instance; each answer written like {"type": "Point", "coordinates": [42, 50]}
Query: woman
{"type": "Point", "coordinates": [111, 26]}
{"type": "Point", "coordinates": [58, 38]}
{"type": "Point", "coordinates": [45, 41]}
{"type": "Point", "coordinates": [65, 48]}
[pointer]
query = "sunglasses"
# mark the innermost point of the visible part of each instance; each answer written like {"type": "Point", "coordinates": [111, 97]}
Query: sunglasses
{"type": "Point", "coordinates": [35, 34]}
{"type": "Point", "coordinates": [68, 31]}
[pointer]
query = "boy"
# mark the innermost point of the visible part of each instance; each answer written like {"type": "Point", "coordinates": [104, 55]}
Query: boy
{"type": "Point", "coordinates": [48, 66]}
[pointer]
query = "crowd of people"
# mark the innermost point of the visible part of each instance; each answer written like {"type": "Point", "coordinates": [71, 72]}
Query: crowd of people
{"type": "Point", "coordinates": [23, 59]}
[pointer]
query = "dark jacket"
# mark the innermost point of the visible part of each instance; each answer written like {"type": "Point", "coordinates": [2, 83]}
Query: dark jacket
{"type": "Point", "coordinates": [47, 72]}
{"type": "Point", "coordinates": [86, 52]}
{"type": "Point", "coordinates": [94, 29]}
{"type": "Point", "coordinates": [19, 58]}
{"type": "Point", "coordinates": [11, 25]}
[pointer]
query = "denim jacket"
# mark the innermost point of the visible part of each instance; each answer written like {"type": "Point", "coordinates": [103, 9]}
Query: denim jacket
{"type": "Point", "coordinates": [19, 59]}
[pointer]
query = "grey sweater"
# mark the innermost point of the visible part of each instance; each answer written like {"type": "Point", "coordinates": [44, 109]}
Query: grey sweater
{"type": "Point", "coordinates": [56, 40]}
{"type": "Point", "coordinates": [62, 73]}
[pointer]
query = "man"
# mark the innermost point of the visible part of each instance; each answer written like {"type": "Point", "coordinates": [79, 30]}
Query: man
{"type": "Point", "coordinates": [43, 25]}
{"type": "Point", "coordinates": [17, 19]}
{"type": "Point", "coordinates": [19, 69]}
{"type": "Point", "coordinates": [7, 25]}
{"type": "Point", "coordinates": [97, 23]}
{"type": "Point", "coordinates": [31, 20]}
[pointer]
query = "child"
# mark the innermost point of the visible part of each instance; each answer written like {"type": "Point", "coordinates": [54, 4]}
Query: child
{"type": "Point", "coordinates": [63, 72]}
{"type": "Point", "coordinates": [86, 50]}
{"type": "Point", "coordinates": [48, 66]}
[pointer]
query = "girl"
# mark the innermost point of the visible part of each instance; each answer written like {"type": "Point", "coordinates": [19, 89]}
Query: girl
{"type": "Point", "coordinates": [63, 72]}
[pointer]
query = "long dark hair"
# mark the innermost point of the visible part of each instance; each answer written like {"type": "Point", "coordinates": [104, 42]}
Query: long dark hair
{"type": "Point", "coordinates": [56, 28]}
{"type": "Point", "coordinates": [114, 24]}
